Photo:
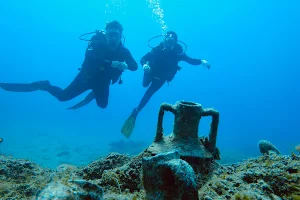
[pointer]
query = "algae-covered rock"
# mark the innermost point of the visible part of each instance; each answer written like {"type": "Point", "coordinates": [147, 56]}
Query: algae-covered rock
{"type": "Point", "coordinates": [269, 177]}
{"type": "Point", "coordinates": [127, 177]}
{"type": "Point", "coordinates": [95, 169]}
{"type": "Point", "coordinates": [66, 184]}
{"type": "Point", "coordinates": [56, 190]}
{"type": "Point", "coordinates": [265, 147]}
{"type": "Point", "coordinates": [21, 179]}
{"type": "Point", "coordinates": [76, 190]}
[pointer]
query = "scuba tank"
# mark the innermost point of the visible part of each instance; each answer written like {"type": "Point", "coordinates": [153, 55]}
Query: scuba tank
{"type": "Point", "coordinates": [98, 39]}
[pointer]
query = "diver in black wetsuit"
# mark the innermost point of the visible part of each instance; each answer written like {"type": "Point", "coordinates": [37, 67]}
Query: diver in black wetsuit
{"type": "Point", "coordinates": [160, 66]}
{"type": "Point", "coordinates": [105, 60]}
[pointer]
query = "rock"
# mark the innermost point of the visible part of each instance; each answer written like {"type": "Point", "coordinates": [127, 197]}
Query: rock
{"type": "Point", "coordinates": [95, 169]}
{"type": "Point", "coordinates": [269, 177]}
{"type": "Point", "coordinates": [125, 178]}
{"type": "Point", "coordinates": [207, 198]}
{"type": "Point", "coordinates": [265, 147]}
{"type": "Point", "coordinates": [87, 190]}
{"type": "Point", "coordinates": [166, 176]}
{"type": "Point", "coordinates": [76, 189]}
{"type": "Point", "coordinates": [56, 190]}
{"type": "Point", "coordinates": [297, 148]}
{"type": "Point", "coordinates": [21, 179]}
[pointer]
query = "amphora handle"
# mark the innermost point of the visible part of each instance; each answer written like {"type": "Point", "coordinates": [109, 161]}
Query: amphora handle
{"type": "Point", "coordinates": [159, 131]}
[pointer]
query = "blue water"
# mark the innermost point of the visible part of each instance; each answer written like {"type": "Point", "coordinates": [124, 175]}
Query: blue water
{"type": "Point", "coordinates": [252, 46]}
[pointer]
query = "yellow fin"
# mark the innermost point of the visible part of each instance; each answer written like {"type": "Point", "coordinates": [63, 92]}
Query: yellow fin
{"type": "Point", "coordinates": [128, 126]}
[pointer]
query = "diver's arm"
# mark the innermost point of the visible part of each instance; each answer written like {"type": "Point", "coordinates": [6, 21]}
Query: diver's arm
{"type": "Point", "coordinates": [150, 55]}
{"type": "Point", "coordinates": [146, 58]}
{"type": "Point", "coordinates": [191, 61]}
{"type": "Point", "coordinates": [194, 61]}
{"type": "Point", "coordinates": [129, 60]}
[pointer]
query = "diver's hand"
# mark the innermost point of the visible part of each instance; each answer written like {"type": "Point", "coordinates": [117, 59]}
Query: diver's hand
{"type": "Point", "coordinates": [115, 64]}
{"type": "Point", "coordinates": [123, 66]}
{"type": "Point", "coordinates": [206, 64]}
{"type": "Point", "coordinates": [119, 65]}
{"type": "Point", "coordinates": [146, 68]}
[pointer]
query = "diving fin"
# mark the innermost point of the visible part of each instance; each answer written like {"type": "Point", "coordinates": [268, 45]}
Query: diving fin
{"type": "Point", "coordinates": [25, 87]}
{"type": "Point", "coordinates": [76, 106]}
{"type": "Point", "coordinates": [84, 102]}
{"type": "Point", "coordinates": [129, 124]}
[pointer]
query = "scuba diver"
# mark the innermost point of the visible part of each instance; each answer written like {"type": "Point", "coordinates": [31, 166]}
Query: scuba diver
{"type": "Point", "coordinates": [160, 65]}
{"type": "Point", "coordinates": [105, 60]}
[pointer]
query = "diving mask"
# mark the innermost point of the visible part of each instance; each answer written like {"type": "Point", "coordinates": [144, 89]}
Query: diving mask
{"type": "Point", "coordinates": [113, 37]}
{"type": "Point", "coordinates": [169, 41]}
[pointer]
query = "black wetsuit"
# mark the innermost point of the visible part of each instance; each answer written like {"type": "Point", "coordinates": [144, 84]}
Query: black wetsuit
{"type": "Point", "coordinates": [163, 65]}
{"type": "Point", "coordinates": [163, 68]}
{"type": "Point", "coordinates": [96, 74]}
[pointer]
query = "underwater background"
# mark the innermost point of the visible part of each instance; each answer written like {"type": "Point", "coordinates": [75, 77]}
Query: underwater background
{"type": "Point", "coordinates": [253, 48]}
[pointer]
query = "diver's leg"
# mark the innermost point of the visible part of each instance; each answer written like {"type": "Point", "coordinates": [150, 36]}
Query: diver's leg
{"type": "Point", "coordinates": [86, 101]}
{"type": "Point", "coordinates": [171, 77]}
{"type": "Point", "coordinates": [154, 87]}
{"type": "Point", "coordinates": [129, 124]}
{"type": "Point", "coordinates": [101, 93]}
{"type": "Point", "coordinates": [79, 85]}
{"type": "Point", "coordinates": [147, 79]}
